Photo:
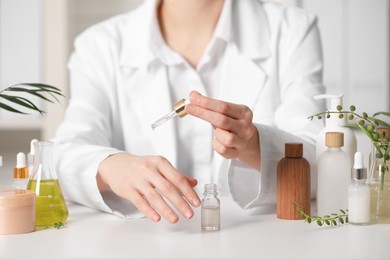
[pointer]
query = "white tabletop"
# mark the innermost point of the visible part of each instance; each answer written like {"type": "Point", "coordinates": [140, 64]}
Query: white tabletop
{"type": "Point", "coordinates": [244, 234]}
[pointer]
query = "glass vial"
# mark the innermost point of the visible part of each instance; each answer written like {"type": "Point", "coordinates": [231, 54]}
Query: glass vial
{"type": "Point", "coordinates": [293, 183]}
{"type": "Point", "coordinates": [379, 179]}
{"type": "Point", "coordinates": [211, 220]}
{"type": "Point", "coordinates": [359, 194]}
{"type": "Point", "coordinates": [334, 167]}
{"type": "Point", "coordinates": [50, 204]}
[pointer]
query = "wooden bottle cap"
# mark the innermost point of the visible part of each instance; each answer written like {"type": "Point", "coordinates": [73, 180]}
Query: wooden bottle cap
{"type": "Point", "coordinates": [383, 132]}
{"type": "Point", "coordinates": [334, 139]}
{"type": "Point", "coordinates": [293, 150]}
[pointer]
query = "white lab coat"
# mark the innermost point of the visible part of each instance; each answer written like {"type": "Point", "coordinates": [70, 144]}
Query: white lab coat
{"type": "Point", "coordinates": [118, 88]}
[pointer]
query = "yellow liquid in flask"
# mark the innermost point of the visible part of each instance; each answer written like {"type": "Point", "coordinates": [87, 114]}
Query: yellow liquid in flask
{"type": "Point", "coordinates": [50, 204]}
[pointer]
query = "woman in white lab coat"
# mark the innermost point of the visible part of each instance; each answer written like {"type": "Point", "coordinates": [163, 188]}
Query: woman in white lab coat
{"type": "Point", "coordinates": [249, 69]}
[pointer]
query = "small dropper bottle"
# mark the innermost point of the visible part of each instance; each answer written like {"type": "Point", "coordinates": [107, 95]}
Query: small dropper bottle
{"type": "Point", "coordinates": [359, 194]}
{"type": "Point", "coordinates": [20, 173]}
{"type": "Point", "coordinates": [210, 208]}
{"type": "Point", "coordinates": [178, 110]}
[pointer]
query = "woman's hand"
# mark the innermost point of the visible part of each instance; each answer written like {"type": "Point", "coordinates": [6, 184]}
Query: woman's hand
{"type": "Point", "coordinates": [235, 134]}
{"type": "Point", "coordinates": [147, 181]}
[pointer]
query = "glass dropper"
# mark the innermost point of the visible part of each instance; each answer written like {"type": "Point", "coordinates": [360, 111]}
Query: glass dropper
{"type": "Point", "coordinates": [178, 110]}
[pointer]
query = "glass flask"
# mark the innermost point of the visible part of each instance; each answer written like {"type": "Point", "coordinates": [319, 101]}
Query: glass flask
{"type": "Point", "coordinates": [210, 208]}
{"type": "Point", "coordinates": [379, 182]}
{"type": "Point", "coordinates": [50, 203]}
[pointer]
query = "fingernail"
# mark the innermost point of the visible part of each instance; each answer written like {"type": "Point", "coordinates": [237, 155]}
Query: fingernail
{"type": "Point", "coordinates": [173, 219]}
{"type": "Point", "coordinates": [188, 214]}
{"type": "Point", "coordinates": [193, 99]}
{"type": "Point", "coordinates": [189, 108]}
{"type": "Point", "coordinates": [156, 218]}
{"type": "Point", "coordinates": [196, 202]}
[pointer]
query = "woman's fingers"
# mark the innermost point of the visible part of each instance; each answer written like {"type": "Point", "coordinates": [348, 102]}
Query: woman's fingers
{"type": "Point", "coordinates": [179, 181]}
{"type": "Point", "coordinates": [150, 183]}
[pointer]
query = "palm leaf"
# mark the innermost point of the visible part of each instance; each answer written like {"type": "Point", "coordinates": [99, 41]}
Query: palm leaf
{"type": "Point", "coordinates": [33, 89]}
{"type": "Point", "coordinates": [22, 102]}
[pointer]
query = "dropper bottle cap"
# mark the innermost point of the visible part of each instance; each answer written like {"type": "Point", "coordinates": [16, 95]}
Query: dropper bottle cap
{"type": "Point", "coordinates": [358, 171]}
{"type": "Point", "coordinates": [31, 154]}
{"type": "Point", "coordinates": [21, 169]}
{"type": "Point", "coordinates": [179, 107]}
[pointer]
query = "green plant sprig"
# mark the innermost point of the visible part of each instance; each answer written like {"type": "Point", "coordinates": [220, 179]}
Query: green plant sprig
{"type": "Point", "coordinates": [369, 126]}
{"type": "Point", "coordinates": [34, 89]}
{"type": "Point", "coordinates": [58, 225]}
{"type": "Point", "coordinates": [333, 219]}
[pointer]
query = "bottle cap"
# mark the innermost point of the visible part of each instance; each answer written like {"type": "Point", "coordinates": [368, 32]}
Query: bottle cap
{"type": "Point", "coordinates": [210, 187]}
{"type": "Point", "coordinates": [179, 107]}
{"type": "Point", "coordinates": [358, 171]}
{"type": "Point", "coordinates": [334, 139]}
{"type": "Point", "coordinates": [293, 150]}
{"type": "Point", "coordinates": [382, 131]}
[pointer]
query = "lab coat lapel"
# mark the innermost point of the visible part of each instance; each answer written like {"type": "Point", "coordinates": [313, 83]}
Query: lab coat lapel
{"type": "Point", "coordinates": [149, 92]}
{"type": "Point", "coordinates": [242, 79]}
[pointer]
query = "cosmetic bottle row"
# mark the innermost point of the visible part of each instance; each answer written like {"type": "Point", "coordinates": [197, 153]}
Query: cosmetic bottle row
{"type": "Point", "coordinates": [343, 182]}
{"type": "Point", "coordinates": [35, 197]}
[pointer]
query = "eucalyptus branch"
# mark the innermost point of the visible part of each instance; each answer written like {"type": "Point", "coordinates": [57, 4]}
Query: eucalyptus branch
{"type": "Point", "coordinates": [333, 219]}
{"type": "Point", "coordinates": [33, 89]}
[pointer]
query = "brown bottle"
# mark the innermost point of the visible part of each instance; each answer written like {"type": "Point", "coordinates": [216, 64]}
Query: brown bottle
{"type": "Point", "coordinates": [293, 182]}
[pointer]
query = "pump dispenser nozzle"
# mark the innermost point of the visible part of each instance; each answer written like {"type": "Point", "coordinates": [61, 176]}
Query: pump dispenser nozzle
{"type": "Point", "coordinates": [178, 110]}
{"type": "Point", "coordinates": [334, 123]}
{"type": "Point", "coordinates": [335, 100]}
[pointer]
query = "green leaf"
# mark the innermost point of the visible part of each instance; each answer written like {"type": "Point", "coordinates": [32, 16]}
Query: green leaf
{"type": "Point", "coordinates": [381, 113]}
{"type": "Point", "coordinates": [334, 222]}
{"type": "Point", "coordinates": [341, 220]}
{"type": "Point", "coordinates": [8, 108]}
{"type": "Point", "coordinates": [327, 222]}
{"type": "Point", "coordinates": [364, 130]}
{"type": "Point", "coordinates": [380, 122]}
{"type": "Point", "coordinates": [342, 211]}
{"type": "Point", "coordinates": [22, 102]}
{"type": "Point", "coordinates": [33, 89]}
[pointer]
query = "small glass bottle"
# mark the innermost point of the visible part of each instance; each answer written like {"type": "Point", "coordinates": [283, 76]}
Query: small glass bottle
{"type": "Point", "coordinates": [359, 194]}
{"type": "Point", "coordinates": [210, 208]}
{"type": "Point", "coordinates": [20, 173]}
{"type": "Point", "coordinates": [334, 167]}
{"type": "Point", "coordinates": [50, 204]}
{"type": "Point", "coordinates": [379, 179]}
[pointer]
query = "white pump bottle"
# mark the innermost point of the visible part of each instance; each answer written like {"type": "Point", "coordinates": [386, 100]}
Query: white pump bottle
{"type": "Point", "coordinates": [336, 124]}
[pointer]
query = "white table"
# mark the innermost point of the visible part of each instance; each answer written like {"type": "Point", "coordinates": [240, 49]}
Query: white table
{"type": "Point", "coordinates": [252, 234]}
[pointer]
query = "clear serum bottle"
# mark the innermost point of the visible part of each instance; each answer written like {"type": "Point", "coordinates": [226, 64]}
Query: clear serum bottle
{"type": "Point", "coordinates": [211, 219]}
{"type": "Point", "coordinates": [359, 194]}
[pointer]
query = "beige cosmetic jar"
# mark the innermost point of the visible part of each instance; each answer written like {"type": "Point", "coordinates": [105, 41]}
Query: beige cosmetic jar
{"type": "Point", "coordinates": [17, 212]}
